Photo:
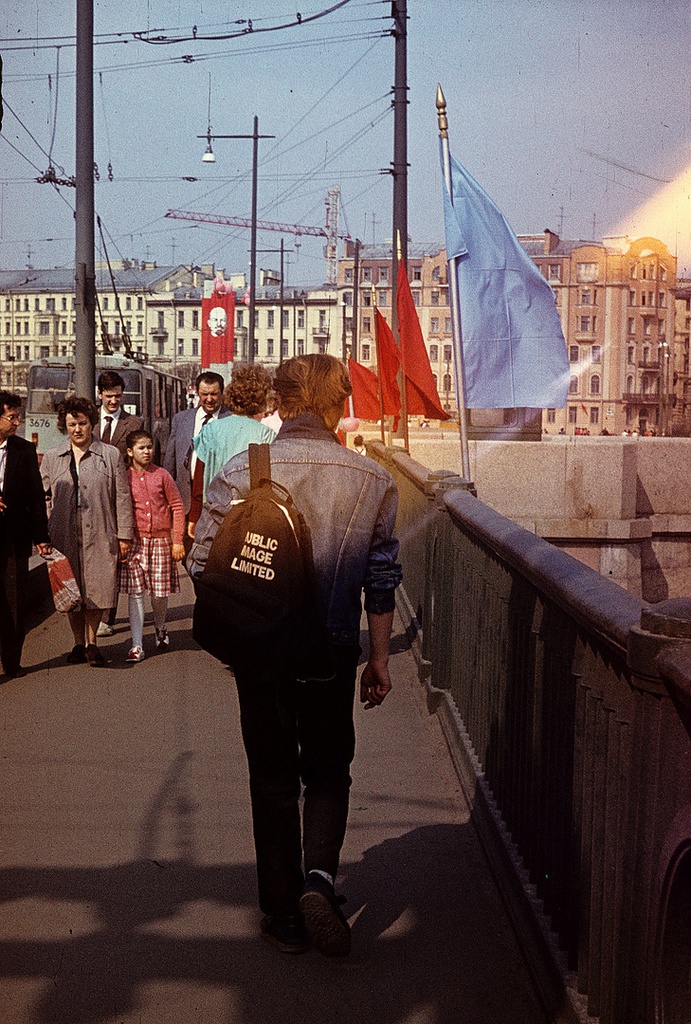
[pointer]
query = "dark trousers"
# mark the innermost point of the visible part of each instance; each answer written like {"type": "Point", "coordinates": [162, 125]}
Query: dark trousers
{"type": "Point", "coordinates": [14, 581]}
{"type": "Point", "coordinates": [297, 733]}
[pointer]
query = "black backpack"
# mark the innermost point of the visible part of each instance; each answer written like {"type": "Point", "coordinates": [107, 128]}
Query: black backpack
{"type": "Point", "coordinates": [257, 595]}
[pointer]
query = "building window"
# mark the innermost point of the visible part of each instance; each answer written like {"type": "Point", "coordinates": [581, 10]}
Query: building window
{"type": "Point", "coordinates": [63, 327]}
{"type": "Point", "coordinates": [416, 297]}
{"type": "Point", "coordinates": [596, 354]}
{"type": "Point", "coordinates": [632, 298]}
{"type": "Point", "coordinates": [301, 346]}
{"type": "Point", "coordinates": [284, 348]}
{"type": "Point", "coordinates": [594, 416]}
{"type": "Point", "coordinates": [181, 318]}
{"type": "Point", "coordinates": [8, 305]}
{"type": "Point", "coordinates": [435, 297]}
{"type": "Point", "coordinates": [348, 275]}
{"type": "Point", "coordinates": [383, 274]}
{"type": "Point", "coordinates": [585, 297]}
{"type": "Point", "coordinates": [50, 305]}
{"type": "Point", "coordinates": [595, 384]}
{"type": "Point", "coordinates": [366, 353]}
{"type": "Point", "coordinates": [43, 351]}
{"type": "Point", "coordinates": [434, 325]}
{"type": "Point", "coordinates": [239, 317]}
{"type": "Point", "coordinates": [366, 298]}
{"type": "Point", "coordinates": [554, 272]}
{"type": "Point", "coordinates": [434, 353]}
{"type": "Point", "coordinates": [574, 353]}
{"type": "Point", "coordinates": [195, 319]}
{"type": "Point", "coordinates": [161, 319]}
{"type": "Point", "coordinates": [26, 352]}
{"type": "Point", "coordinates": [647, 329]}
{"type": "Point", "coordinates": [26, 327]}
{"type": "Point", "coordinates": [322, 319]}
{"type": "Point", "coordinates": [26, 305]}
{"type": "Point", "coordinates": [629, 354]}
{"type": "Point", "coordinates": [270, 319]}
{"type": "Point", "coordinates": [573, 413]}
{"type": "Point", "coordinates": [269, 346]}
{"type": "Point", "coordinates": [301, 319]}
{"type": "Point", "coordinates": [573, 385]}
{"type": "Point", "coordinates": [17, 305]}
{"type": "Point", "coordinates": [584, 324]}
{"type": "Point", "coordinates": [662, 299]}
{"type": "Point", "coordinates": [116, 328]}
{"type": "Point", "coordinates": [586, 271]}
{"type": "Point", "coordinates": [629, 385]}
{"type": "Point", "coordinates": [417, 274]}
{"type": "Point", "coordinates": [161, 347]}
{"type": "Point", "coordinates": [140, 327]}
{"type": "Point", "coordinates": [631, 325]}
{"type": "Point", "coordinates": [446, 383]}
{"type": "Point", "coordinates": [105, 302]}
{"type": "Point", "coordinates": [447, 353]}
{"type": "Point", "coordinates": [128, 302]}
{"type": "Point", "coordinates": [286, 318]}
{"type": "Point", "coordinates": [366, 274]}
{"type": "Point", "coordinates": [447, 325]}
{"type": "Point", "coordinates": [383, 297]}
{"type": "Point", "coordinates": [195, 346]}
{"type": "Point", "coordinates": [367, 325]}
{"type": "Point", "coordinates": [347, 298]}
{"type": "Point", "coordinates": [140, 302]}
{"type": "Point", "coordinates": [43, 328]}
{"type": "Point", "coordinates": [551, 415]}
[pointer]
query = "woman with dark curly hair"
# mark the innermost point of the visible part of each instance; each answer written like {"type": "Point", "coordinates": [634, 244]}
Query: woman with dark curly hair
{"type": "Point", "coordinates": [221, 439]}
{"type": "Point", "coordinates": [91, 518]}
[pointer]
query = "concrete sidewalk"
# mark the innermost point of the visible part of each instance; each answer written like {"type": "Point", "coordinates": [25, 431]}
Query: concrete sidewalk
{"type": "Point", "coordinates": [127, 890]}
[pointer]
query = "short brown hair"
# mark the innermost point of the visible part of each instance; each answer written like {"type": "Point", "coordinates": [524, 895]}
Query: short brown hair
{"type": "Point", "coordinates": [247, 391]}
{"type": "Point", "coordinates": [75, 407]}
{"type": "Point", "coordinates": [316, 383]}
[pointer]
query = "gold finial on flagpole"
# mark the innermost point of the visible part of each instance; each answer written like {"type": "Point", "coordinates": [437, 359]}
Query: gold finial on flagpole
{"type": "Point", "coordinates": [399, 250]}
{"type": "Point", "coordinates": [441, 114]}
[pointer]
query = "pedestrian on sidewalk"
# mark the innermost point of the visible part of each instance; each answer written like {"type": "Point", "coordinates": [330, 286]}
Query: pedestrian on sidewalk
{"type": "Point", "coordinates": [22, 520]}
{"type": "Point", "coordinates": [151, 565]}
{"type": "Point", "coordinates": [91, 519]}
{"type": "Point", "coordinates": [301, 733]}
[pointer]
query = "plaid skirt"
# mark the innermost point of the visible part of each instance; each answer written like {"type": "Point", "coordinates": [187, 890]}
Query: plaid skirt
{"type": "Point", "coordinates": [150, 566]}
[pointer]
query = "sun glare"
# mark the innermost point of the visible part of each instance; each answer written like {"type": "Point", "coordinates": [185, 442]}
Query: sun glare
{"type": "Point", "coordinates": [666, 216]}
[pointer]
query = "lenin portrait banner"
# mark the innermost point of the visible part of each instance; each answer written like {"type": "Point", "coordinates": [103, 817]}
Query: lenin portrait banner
{"type": "Point", "coordinates": [218, 329]}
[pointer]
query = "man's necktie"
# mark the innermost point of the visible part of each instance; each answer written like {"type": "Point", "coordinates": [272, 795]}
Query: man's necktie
{"type": "Point", "coordinates": [105, 437]}
{"type": "Point", "coordinates": [190, 450]}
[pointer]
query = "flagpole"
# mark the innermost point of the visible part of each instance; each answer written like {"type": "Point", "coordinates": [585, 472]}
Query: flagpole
{"type": "Point", "coordinates": [404, 384]}
{"type": "Point", "coordinates": [452, 273]}
{"type": "Point", "coordinates": [380, 394]}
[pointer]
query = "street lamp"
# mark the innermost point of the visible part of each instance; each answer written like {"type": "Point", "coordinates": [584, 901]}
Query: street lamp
{"type": "Point", "coordinates": [209, 157]}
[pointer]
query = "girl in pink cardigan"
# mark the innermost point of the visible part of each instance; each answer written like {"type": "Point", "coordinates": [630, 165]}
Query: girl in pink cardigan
{"type": "Point", "coordinates": [151, 563]}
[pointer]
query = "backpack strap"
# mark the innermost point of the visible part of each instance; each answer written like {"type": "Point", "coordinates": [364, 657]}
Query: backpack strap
{"type": "Point", "coordinates": [260, 464]}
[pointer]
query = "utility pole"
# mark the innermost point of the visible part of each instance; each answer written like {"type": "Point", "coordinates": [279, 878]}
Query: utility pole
{"type": "Point", "coordinates": [85, 352]}
{"type": "Point", "coordinates": [356, 299]}
{"type": "Point", "coordinates": [399, 13]}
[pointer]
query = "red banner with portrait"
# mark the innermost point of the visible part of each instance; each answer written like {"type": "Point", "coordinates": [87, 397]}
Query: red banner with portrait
{"type": "Point", "coordinates": [218, 329]}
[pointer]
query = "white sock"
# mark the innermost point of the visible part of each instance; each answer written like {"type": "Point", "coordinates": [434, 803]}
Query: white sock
{"type": "Point", "coordinates": [136, 610]}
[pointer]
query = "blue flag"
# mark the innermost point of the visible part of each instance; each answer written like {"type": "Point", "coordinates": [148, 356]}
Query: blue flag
{"type": "Point", "coordinates": [514, 353]}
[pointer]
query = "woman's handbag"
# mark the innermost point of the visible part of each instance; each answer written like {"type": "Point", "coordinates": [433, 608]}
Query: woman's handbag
{"type": "Point", "coordinates": [64, 586]}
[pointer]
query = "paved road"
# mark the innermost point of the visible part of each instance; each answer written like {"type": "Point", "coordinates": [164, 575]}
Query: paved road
{"type": "Point", "coordinates": [127, 890]}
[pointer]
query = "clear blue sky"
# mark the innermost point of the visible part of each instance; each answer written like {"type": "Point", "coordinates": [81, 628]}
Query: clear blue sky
{"type": "Point", "coordinates": [567, 112]}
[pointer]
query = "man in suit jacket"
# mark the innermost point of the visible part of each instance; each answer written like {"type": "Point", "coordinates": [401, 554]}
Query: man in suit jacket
{"type": "Point", "coordinates": [23, 520]}
{"type": "Point", "coordinates": [180, 458]}
{"type": "Point", "coordinates": [114, 423]}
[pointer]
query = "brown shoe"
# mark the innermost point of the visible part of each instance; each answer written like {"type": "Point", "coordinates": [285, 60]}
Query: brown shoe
{"type": "Point", "coordinates": [77, 655]}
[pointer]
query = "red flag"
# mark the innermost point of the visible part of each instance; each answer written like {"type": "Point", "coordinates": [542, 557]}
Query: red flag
{"type": "Point", "coordinates": [365, 392]}
{"type": "Point", "coordinates": [389, 359]}
{"type": "Point", "coordinates": [218, 329]}
{"type": "Point", "coordinates": [423, 398]}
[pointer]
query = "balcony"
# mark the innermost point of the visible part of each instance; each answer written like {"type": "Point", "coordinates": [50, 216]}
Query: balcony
{"type": "Point", "coordinates": [645, 397]}
{"type": "Point", "coordinates": [647, 364]}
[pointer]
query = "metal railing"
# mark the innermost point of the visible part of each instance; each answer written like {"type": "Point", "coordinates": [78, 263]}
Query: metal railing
{"type": "Point", "coordinates": [572, 701]}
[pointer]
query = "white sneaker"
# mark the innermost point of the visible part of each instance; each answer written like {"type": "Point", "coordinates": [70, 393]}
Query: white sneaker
{"type": "Point", "coordinates": [162, 639]}
{"type": "Point", "coordinates": [136, 654]}
{"type": "Point", "coordinates": [104, 629]}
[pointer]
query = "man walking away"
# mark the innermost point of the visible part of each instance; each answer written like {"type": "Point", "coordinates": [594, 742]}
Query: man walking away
{"type": "Point", "coordinates": [300, 733]}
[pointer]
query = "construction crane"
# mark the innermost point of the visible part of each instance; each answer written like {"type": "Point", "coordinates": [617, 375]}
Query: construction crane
{"type": "Point", "coordinates": [330, 231]}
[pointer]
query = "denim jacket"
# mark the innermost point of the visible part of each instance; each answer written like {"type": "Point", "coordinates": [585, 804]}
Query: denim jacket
{"type": "Point", "coordinates": [349, 503]}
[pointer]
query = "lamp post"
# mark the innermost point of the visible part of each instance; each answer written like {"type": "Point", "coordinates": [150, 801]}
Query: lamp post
{"type": "Point", "coordinates": [209, 157]}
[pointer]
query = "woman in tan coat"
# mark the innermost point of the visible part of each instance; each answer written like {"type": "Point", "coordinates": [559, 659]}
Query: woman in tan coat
{"type": "Point", "coordinates": [91, 518]}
